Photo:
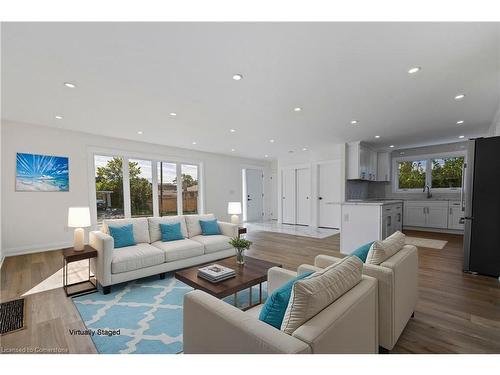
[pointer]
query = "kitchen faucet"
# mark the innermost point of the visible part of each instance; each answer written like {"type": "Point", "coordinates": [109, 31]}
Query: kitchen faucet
{"type": "Point", "coordinates": [429, 195]}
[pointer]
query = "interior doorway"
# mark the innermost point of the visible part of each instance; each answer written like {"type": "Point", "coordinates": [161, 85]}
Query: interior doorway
{"type": "Point", "coordinates": [253, 194]}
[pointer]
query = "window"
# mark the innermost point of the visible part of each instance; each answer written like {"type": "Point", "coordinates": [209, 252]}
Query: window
{"type": "Point", "coordinates": [189, 175]}
{"type": "Point", "coordinates": [141, 187]}
{"type": "Point", "coordinates": [442, 172]}
{"type": "Point", "coordinates": [447, 172]}
{"type": "Point", "coordinates": [167, 188]}
{"type": "Point", "coordinates": [411, 174]}
{"type": "Point", "coordinates": [109, 187]}
{"type": "Point", "coordinates": [151, 187]}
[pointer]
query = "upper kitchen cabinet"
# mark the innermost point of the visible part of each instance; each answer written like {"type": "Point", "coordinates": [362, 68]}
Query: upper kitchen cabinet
{"type": "Point", "coordinates": [361, 162]}
{"type": "Point", "coordinates": [383, 166]}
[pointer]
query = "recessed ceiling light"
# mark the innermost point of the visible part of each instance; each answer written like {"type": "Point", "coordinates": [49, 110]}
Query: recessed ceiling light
{"type": "Point", "coordinates": [297, 109]}
{"type": "Point", "coordinates": [461, 136]}
{"type": "Point", "coordinates": [70, 85]}
{"type": "Point", "coordinates": [459, 96]}
{"type": "Point", "coordinates": [414, 70]}
{"type": "Point", "coordinates": [59, 117]}
{"type": "Point", "coordinates": [271, 140]}
{"type": "Point", "coordinates": [266, 156]}
{"type": "Point", "coordinates": [237, 77]}
{"type": "Point", "coordinates": [304, 149]}
{"type": "Point", "coordinates": [139, 132]}
{"type": "Point", "coordinates": [377, 136]}
{"type": "Point", "coordinates": [194, 142]}
{"type": "Point", "coordinates": [232, 130]}
{"type": "Point", "coordinates": [354, 122]}
{"type": "Point", "coordinates": [460, 122]}
{"type": "Point", "coordinates": [233, 150]}
{"type": "Point", "coordinates": [391, 146]}
{"type": "Point", "coordinates": [173, 114]}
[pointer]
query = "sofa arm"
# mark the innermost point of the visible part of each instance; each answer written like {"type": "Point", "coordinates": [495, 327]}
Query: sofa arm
{"type": "Point", "coordinates": [276, 277]}
{"type": "Point", "coordinates": [303, 268]}
{"type": "Point", "coordinates": [214, 326]}
{"type": "Point", "coordinates": [323, 261]}
{"type": "Point", "coordinates": [228, 229]}
{"type": "Point", "coordinates": [101, 266]}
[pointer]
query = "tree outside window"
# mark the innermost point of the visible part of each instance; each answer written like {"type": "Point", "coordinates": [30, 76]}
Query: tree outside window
{"type": "Point", "coordinates": [412, 174]}
{"type": "Point", "coordinates": [447, 172]}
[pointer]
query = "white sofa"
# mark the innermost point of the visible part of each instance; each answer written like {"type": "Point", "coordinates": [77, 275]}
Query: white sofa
{"type": "Point", "coordinates": [151, 256]}
{"type": "Point", "coordinates": [397, 290]}
{"type": "Point", "coordinates": [348, 325]}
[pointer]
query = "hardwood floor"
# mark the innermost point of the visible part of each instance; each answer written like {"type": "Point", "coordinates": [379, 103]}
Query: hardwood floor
{"type": "Point", "coordinates": [456, 312]}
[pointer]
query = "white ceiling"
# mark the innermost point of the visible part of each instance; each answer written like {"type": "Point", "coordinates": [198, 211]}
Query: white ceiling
{"type": "Point", "coordinates": [130, 76]}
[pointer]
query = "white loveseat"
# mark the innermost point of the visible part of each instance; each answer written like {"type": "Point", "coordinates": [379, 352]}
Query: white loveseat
{"type": "Point", "coordinates": [348, 325]}
{"type": "Point", "coordinates": [151, 256]}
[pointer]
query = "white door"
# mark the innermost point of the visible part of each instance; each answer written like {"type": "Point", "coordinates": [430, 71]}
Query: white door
{"type": "Point", "coordinates": [254, 194]}
{"type": "Point", "coordinates": [303, 178]}
{"type": "Point", "coordinates": [274, 196]}
{"type": "Point", "coordinates": [329, 194]}
{"type": "Point", "coordinates": [288, 196]}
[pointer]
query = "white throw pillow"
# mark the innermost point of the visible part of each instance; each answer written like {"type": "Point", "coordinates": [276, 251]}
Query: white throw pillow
{"type": "Point", "coordinates": [140, 227]}
{"type": "Point", "coordinates": [154, 226]}
{"type": "Point", "coordinates": [193, 223]}
{"type": "Point", "coordinates": [383, 250]}
{"type": "Point", "coordinates": [319, 290]}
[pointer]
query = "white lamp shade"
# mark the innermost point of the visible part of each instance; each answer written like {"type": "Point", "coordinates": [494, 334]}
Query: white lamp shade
{"type": "Point", "coordinates": [234, 208]}
{"type": "Point", "coordinates": [78, 217]}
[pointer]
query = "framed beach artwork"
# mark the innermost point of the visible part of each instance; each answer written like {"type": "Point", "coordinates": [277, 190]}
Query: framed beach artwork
{"type": "Point", "coordinates": [41, 173]}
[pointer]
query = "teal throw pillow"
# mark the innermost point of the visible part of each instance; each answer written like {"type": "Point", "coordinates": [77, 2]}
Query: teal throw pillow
{"type": "Point", "coordinates": [362, 252]}
{"type": "Point", "coordinates": [171, 232]}
{"type": "Point", "coordinates": [209, 227]}
{"type": "Point", "coordinates": [274, 309]}
{"type": "Point", "coordinates": [122, 235]}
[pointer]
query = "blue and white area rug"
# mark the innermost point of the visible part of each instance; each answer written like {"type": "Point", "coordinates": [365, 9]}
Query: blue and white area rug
{"type": "Point", "coordinates": [142, 316]}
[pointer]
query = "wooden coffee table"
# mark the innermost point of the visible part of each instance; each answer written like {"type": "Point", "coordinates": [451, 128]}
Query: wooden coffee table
{"type": "Point", "coordinates": [253, 272]}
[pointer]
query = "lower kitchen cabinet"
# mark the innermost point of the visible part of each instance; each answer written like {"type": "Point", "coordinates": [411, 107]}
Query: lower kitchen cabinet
{"type": "Point", "coordinates": [456, 216]}
{"type": "Point", "coordinates": [427, 214]}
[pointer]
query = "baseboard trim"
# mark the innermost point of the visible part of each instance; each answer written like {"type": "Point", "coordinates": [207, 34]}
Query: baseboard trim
{"type": "Point", "coordinates": [435, 230]}
{"type": "Point", "coordinates": [23, 250]}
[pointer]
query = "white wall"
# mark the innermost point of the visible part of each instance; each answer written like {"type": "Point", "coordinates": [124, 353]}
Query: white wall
{"type": "Point", "coordinates": [495, 125]}
{"type": "Point", "coordinates": [310, 159]}
{"type": "Point", "coordinates": [1, 179]}
{"type": "Point", "coordinates": [34, 221]}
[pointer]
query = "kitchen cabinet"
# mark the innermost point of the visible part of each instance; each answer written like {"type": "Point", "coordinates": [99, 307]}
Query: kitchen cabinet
{"type": "Point", "coordinates": [426, 214]}
{"type": "Point", "coordinates": [383, 166]}
{"type": "Point", "coordinates": [377, 220]}
{"type": "Point", "coordinates": [361, 162]}
{"type": "Point", "coordinates": [456, 215]}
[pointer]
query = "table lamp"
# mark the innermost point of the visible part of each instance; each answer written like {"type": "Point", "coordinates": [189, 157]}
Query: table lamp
{"type": "Point", "coordinates": [79, 217]}
{"type": "Point", "coordinates": [234, 209]}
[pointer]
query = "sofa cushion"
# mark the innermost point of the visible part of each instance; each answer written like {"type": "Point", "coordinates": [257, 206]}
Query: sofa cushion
{"type": "Point", "coordinates": [362, 251]}
{"type": "Point", "coordinates": [193, 223]}
{"type": "Point", "coordinates": [171, 232]}
{"type": "Point", "coordinates": [122, 236]}
{"type": "Point", "coordinates": [321, 289]}
{"type": "Point", "coordinates": [154, 226]}
{"type": "Point", "coordinates": [209, 227]}
{"type": "Point", "coordinates": [383, 250]}
{"type": "Point", "coordinates": [181, 249]}
{"type": "Point", "coordinates": [135, 257]}
{"type": "Point", "coordinates": [275, 307]}
{"type": "Point", "coordinates": [214, 243]}
{"type": "Point", "coordinates": [140, 224]}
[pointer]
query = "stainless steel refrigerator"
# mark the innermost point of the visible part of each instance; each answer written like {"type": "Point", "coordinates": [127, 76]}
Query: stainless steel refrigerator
{"type": "Point", "coordinates": [481, 206]}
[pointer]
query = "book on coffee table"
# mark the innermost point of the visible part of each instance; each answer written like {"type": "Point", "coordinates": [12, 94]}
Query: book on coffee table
{"type": "Point", "coordinates": [215, 273]}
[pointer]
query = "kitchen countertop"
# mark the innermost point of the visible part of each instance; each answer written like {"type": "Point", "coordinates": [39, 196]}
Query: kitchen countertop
{"type": "Point", "coordinates": [373, 202]}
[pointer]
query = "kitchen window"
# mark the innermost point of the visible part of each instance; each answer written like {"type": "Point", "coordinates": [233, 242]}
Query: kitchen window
{"type": "Point", "coordinates": [441, 172]}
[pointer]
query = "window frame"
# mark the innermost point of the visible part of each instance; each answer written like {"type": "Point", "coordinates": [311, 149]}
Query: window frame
{"type": "Point", "coordinates": [428, 171]}
{"type": "Point", "coordinates": [154, 158]}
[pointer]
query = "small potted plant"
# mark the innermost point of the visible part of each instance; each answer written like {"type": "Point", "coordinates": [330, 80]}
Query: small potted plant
{"type": "Point", "coordinates": [240, 244]}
